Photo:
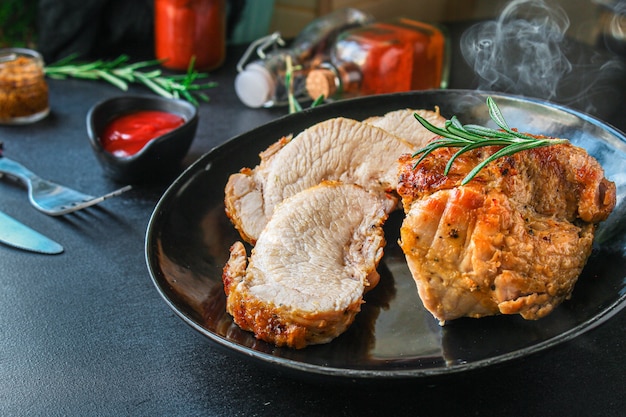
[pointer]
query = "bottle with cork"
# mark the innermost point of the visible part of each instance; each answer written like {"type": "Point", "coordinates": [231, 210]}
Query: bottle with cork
{"type": "Point", "coordinates": [383, 57]}
{"type": "Point", "coordinates": [262, 81]}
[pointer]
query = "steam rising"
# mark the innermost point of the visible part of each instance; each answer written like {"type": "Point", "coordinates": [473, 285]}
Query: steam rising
{"type": "Point", "coordinates": [615, 36]}
{"type": "Point", "coordinates": [525, 52]}
{"type": "Point", "coordinates": [521, 51]}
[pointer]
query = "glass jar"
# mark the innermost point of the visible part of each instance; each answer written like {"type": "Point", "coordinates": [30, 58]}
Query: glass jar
{"type": "Point", "coordinates": [383, 57]}
{"type": "Point", "coordinates": [23, 88]}
{"type": "Point", "coordinates": [190, 29]}
{"type": "Point", "coordinates": [262, 82]}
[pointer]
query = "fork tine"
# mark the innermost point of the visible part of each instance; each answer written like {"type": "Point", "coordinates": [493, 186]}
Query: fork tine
{"type": "Point", "coordinates": [72, 206]}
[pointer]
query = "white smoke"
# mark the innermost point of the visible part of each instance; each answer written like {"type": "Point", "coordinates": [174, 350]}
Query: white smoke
{"type": "Point", "coordinates": [614, 35]}
{"type": "Point", "coordinates": [525, 51]}
{"type": "Point", "coordinates": [520, 51]}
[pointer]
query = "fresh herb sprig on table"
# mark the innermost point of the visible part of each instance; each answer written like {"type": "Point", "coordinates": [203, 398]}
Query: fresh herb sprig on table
{"type": "Point", "coordinates": [469, 137]}
{"type": "Point", "coordinates": [120, 73]}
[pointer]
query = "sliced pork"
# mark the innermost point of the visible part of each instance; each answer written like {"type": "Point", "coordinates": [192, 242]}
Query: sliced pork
{"type": "Point", "coordinates": [305, 279]}
{"type": "Point", "coordinates": [403, 123]}
{"type": "Point", "coordinates": [337, 149]}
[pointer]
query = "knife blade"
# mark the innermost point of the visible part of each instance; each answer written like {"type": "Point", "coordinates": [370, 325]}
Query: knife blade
{"type": "Point", "coordinates": [18, 235]}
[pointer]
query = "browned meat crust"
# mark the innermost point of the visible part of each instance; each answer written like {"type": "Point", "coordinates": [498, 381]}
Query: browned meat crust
{"type": "Point", "coordinates": [513, 240]}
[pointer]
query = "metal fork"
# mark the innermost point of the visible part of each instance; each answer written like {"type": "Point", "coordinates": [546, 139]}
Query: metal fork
{"type": "Point", "coordinates": [49, 197]}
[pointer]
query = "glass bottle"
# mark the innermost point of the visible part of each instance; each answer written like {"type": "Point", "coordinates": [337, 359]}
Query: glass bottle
{"type": "Point", "coordinates": [383, 57]}
{"type": "Point", "coordinates": [186, 29]}
{"type": "Point", "coordinates": [262, 82]}
{"type": "Point", "coordinates": [23, 88]}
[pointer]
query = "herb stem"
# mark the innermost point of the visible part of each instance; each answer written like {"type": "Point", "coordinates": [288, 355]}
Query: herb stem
{"type": "Point", "coordinates": [120, 73]}
{"type": "Point", "coordinates": [294, 106]}
{"type": "Point", "coordinates": [470, 137]}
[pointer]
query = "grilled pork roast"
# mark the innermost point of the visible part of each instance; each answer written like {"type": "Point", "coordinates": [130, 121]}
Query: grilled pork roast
{"type": "Point", "coordinates": [513, 240]}
{"type": "Point", "coordinates": [312, 263]}
{"type": "Point", "coordinates": [337, 149]}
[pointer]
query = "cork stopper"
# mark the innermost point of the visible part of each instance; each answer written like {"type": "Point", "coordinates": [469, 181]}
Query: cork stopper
{"type": "Point", "coordinates": [321, 82]}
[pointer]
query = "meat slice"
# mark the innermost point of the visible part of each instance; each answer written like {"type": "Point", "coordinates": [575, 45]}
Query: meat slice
{"type": "Point", "coordinates": [306, 276]}
{"type": "Point", "coordinates": [403, 123]}
{"type": "Point", "coordinates": [337, 149]}
{"type": "Point", "coordinates": [511, 241]}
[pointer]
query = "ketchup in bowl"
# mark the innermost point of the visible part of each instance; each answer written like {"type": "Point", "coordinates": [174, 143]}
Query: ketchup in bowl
{"type": "Point", "coordinates": [128, 134]}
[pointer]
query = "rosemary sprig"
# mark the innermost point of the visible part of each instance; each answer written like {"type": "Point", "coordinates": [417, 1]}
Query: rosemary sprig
{"type": "Point", "coordinates": [469, 137]}
{"type": "Point", "coordinates": [294, 105]}
{"type": "Point", "coordinates": [120, 73]}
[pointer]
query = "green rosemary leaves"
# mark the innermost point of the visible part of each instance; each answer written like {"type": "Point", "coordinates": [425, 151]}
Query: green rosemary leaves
{"type": "Point", "coordinates": [469, 137]}
{"type": "Point", "coordinates": [120, 73]}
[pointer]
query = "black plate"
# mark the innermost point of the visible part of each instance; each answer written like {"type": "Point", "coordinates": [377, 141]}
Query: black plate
{"type": "Point", "coordinates": [393, 336]}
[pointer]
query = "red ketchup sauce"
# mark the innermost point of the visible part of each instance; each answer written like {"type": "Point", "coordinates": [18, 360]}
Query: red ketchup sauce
{"type": "Point", "coordinates": [128, 134]}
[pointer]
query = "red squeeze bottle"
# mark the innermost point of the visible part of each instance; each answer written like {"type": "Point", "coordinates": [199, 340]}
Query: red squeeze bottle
{"type": "Point", "coordinates": [383, 57]}
{"type": "Point", "coordinates": [190, 29]}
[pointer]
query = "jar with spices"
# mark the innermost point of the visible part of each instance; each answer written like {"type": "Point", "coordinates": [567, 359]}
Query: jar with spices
{"type": "Point", "coordinates": [383, 57]}
{"type": "Point", "coordinates": [190, 29]}
{"type": "Point", "coordinates": [23, 88]}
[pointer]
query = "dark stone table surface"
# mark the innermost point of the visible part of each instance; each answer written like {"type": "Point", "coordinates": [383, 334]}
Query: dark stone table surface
{"type": "Point", "coordinates": [85, 333]}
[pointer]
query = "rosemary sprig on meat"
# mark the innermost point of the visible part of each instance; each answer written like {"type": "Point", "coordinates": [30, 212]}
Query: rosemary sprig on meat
{"type": "Point", "coordinates": [469, 137]}
{"type": "Point", "coordinates": [120, 73]}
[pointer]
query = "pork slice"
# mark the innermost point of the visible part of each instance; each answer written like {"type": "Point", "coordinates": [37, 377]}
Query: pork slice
{"type": "Point", "coordinates": [338, 149]}
{"type": "Point", "coordinates": [306, 276]}
{"type": "Point", "coordinates": [403, 123]}
{"type": "Point", "coordinates": [243, 194]}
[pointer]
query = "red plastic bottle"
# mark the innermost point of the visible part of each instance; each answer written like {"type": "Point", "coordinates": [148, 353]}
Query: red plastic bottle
{"type": "Point", "coordinates": [184, 29]}
{"type": "Point", "coordinates": [384, 57]}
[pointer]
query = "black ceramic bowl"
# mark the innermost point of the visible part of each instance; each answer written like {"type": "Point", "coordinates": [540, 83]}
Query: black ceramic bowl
{"type": "Point", "coordinates": [161, 156]}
